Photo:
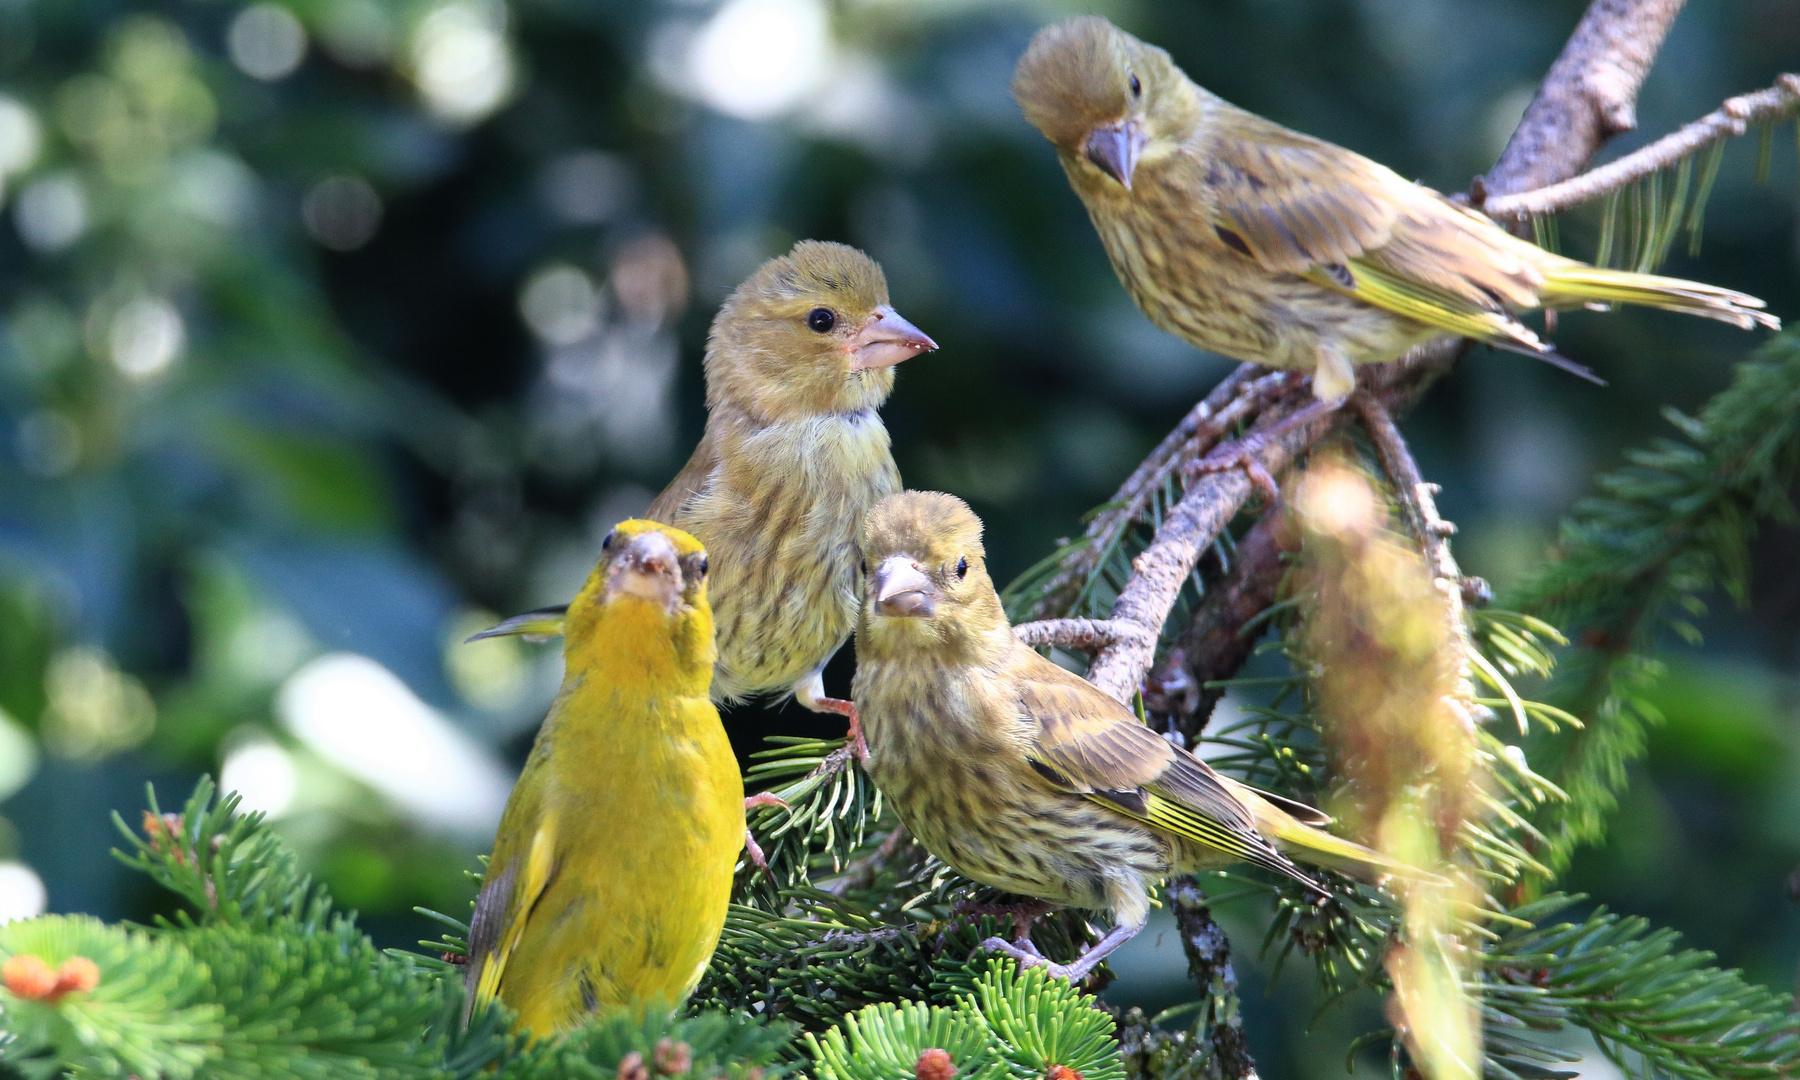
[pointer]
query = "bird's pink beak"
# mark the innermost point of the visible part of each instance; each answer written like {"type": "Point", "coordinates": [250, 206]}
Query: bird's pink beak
{"type": "Point", "coordinates": [885, 340]}
{"type": "Point", "coordinates": [1116, 147]}
{"type": "Point", "coordinates": [902, 590]}
{"type": "Point", "coordinates": [648, 568]}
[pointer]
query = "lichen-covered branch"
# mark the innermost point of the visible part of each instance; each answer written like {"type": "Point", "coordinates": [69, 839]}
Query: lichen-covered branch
{"type": "Point", "coordinates": [1588, 96]}
{"type": "Point", "coordinates": [1730, 119]}
{"type": "Point", "coordinates": [1215, 645]}
{"type": "Point", "coordinates": [1090, 635]}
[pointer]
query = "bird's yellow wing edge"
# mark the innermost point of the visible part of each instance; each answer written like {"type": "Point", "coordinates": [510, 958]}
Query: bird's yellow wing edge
{"type": "Point", "coordinates": [539, 868]}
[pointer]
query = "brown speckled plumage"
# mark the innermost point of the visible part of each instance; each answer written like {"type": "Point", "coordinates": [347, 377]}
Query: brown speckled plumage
{"type": "Point", "coordinates": [793, 456]}
{"type": "Point", "coordinates": [1266, 245]}
{"type": "Point", "coordinates": [1022, 775]}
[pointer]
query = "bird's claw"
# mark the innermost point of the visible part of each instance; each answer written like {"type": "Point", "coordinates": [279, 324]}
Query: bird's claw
{"type": "Point", "coordinates": [1244, 454]}
{"type": "Point", "coordinates": [1025, 952]}
{"type": "Point", "coordinates": [762, 799]}
{"type": "Point", "coordinates": [754, 852]}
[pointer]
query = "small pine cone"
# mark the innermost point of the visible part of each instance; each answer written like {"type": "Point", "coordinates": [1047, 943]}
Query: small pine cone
{"type": "Point", "coordinates": [673, 1058]}
{"type": "Point", "coordinates": [934, 1064]}
{"type": "Point", "coordinates": [29, 977]}
{"type": "Point", "coordinates": [631, 1067]}
{"type": "Point", "coordinates": [77, 974]}
{"type": "Point", "coordinates": [1062, 1072]}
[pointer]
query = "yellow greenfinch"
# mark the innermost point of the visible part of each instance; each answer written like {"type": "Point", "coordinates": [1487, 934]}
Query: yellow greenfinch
{"type": "Point", "coordinates": [1274, 247]}
{"type": "Point", "coordinates": [799, 360]}
{"type": "Point", "coordinates": [614, 860]}
{"type": "Point", "coordinates": [1024, 776]}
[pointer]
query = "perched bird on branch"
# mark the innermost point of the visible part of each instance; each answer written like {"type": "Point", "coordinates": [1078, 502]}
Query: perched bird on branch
{"type": "Point", "coordinates": [1024, 776]}
{"type": "Point", "coordinates": [799, 360]}
{"type": "Point", "coordinates": [614, 860]}
{"type": "Point", "coordinates": [1269, 246]}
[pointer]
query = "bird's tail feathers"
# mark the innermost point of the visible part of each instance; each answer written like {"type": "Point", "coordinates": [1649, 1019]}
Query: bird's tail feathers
{"type": "Point", "coordinates": [1543, 351]}
{"type": "Point", "coordinates": [1569, 286]}
{"type": "Point", "coordinates": [1311, 844]}
{"type": "Point", "coordinates": [539, 625]}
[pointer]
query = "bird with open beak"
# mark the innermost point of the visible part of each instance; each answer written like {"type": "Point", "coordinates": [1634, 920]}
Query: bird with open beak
{"type": "Point", "coordinates": [1026, 777]}
{"type": "Point", "coordinates": [799, 362]}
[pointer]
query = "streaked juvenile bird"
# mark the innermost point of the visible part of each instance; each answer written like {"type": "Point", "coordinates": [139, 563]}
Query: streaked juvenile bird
{"type": "Point", "coordinates": [1266, 245]}
{"type": "Point", "coordinates": [799, 361]}
{"type": "Point", "coordinates": [614, 860]}
{"type": "Point", "coordinates": [1024, 776]}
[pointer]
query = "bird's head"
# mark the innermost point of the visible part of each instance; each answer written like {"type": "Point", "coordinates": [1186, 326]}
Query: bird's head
{"type": "Point", "coordinates": [925, 581]}
{"type": "Point", "coordinates": [646, 595]}
{"type": "Point", "coordinates": [1103, 98]}
{"type": "Point", "coordinates": [809, 333]}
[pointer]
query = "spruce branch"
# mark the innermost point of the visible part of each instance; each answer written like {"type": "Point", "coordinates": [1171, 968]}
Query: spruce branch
{"type": "Point", "coordinates": [1637, 560]}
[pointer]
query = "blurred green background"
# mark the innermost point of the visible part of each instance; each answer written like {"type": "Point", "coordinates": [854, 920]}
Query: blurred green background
{"type": "Point", "coordinates": [330, 330]}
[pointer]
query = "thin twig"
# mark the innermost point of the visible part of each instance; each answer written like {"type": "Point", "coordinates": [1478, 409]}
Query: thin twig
{"type": "Point", "coordinates": [1730, 119]}
{"type": "Point", "coordinates": [1417, 500]}
{"type": "Point", "coordinates": [1588, 96]}
{"type": "Point", "coordinates": [1433, 534]}
{"type": "Point", "coordinates": [1238, 398]}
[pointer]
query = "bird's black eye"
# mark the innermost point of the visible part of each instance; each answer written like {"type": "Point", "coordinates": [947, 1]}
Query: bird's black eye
{"type": "Point", "coordinates": [606, 544]}
{"type": "Point", "coordinates": [962, 568]}
{"type": "Point", "coordinates": [700, 566]}
{"type": "Point", "coordinates": [1137, 88]}
{"type": "Point", "coordinates": [821, 320]}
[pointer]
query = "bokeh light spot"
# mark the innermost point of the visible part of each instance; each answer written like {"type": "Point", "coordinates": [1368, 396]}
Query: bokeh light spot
{"type": "Point", "coordinates": [20, 136]}
{"type": "Point", "coordinates": [561, 304]}
{"type": "Point", "coordinates": [361, 717]}
{"type": "Point", "coordinates": [755, 59]}
{"type": "Point", "coordinates": [341, 212]}
{"type": "Point", "coordinates": [51, 213]}
{"type": "Point", "coordinates": [461, 62]}
{"type": "Point", "coordinates": [22, 893]}
{"type": "Point", "coordinates": [145, 337]}
{"type": "Point", "coordinates": [266, 42]}
{"type": "Point", "coordinates": [263, 775]}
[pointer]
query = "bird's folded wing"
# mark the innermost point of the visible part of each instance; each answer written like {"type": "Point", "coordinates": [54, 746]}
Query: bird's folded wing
{"type": "Point", "coordinates": [1303, 206]}
{"type": "Point", "coordinates": [1089, 744]}
{"type": "Point", "coordinates": [503, 910]}
{"type": "Point", "coordinates": [1295, 202]}
{"type": "Point", "coordinates": [690, 481]}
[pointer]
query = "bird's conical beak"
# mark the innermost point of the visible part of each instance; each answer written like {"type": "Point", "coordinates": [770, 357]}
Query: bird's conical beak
{"type": "Point", "coordinates": [885, 340]}
{"type": "Point", "coordinates": [902, 590]}
{"type": "Point", "coordinates": [1115, 148]}
{"type": "Point", "coordinates": [649, 568]}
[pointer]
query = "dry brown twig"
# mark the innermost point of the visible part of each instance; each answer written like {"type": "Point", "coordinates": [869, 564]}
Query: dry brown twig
{"type": "Point", "coordinates": [1731, 119]}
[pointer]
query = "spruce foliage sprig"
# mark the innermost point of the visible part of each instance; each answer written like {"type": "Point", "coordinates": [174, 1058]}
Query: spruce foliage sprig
{"type": "Point", "coordinates": [1635, 563]}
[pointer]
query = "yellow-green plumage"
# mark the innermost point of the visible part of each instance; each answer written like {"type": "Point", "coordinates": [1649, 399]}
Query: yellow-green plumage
{"type": "Point", "coordinates": [1022, 775]}
{"type": "Point", "coordinates": [793, 456]}
{"type": "Point", "coordinates": [613, 864]}
{"type": "Point", "coordinates": [1274, 247]}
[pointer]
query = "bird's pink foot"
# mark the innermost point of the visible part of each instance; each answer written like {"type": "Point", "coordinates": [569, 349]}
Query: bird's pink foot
{"type": "Point", "coordinates": [754, 852]}
{"type": "Point", "coordinates": [853, 738]}
{"type": "Point", "coordinates": [762, 799]}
